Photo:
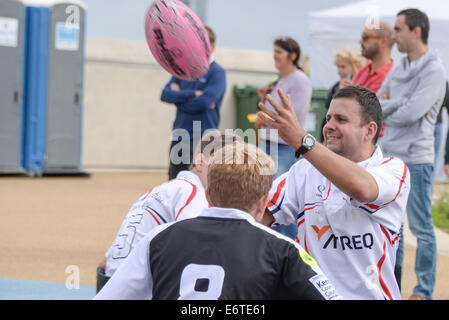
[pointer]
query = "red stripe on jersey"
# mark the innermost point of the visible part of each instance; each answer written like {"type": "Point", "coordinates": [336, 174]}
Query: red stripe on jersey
{"type": "Point", "coordinates": [372, 206]}
{"type": "Point", "coordinates": [159, 186]}
{"type": "Point", "coordinates": [386, 161]}
{"type": "Point", "coordinates": [381, 280]}
{"type": "Point", "coordinates": [305, 245]}
{"type": "Point", "coordinates": [300, 223]}
{"type": "Point", "coordinates": [388, 236]}
{"type": "Point", "coordinates": [404, 174]}
{"type": "Point", "coordinates": [277, 193]}
{"type": "Point", "coordinates": [147, 194]}
{"type": "Point", "coordinates": [158, 222]}
{"type": "Point", "coordinates": [328, 192]}
{"type": "Point", "coordinates": [192, 195]}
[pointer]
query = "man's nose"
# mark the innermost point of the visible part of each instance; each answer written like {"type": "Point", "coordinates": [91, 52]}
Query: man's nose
{"type": "Point", "coordinates": [329, 125]}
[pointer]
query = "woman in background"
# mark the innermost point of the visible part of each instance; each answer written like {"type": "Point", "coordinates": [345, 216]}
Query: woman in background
{"type": "Point", "coordinates": [294, 82]}
{"type": "Point", "coordinates": [348, 62]}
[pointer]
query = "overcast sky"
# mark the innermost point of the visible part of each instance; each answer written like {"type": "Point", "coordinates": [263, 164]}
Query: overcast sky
{"type": "Point", "coordinates": [249, 24]}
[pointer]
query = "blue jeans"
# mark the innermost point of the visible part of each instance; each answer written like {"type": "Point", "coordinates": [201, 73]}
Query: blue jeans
{"type": "Point", "coordinates": [437, 134]}
{"type": "Point", "coordinates": [283, 158]}
{"type": "Point", "coordinates": [419, 213]}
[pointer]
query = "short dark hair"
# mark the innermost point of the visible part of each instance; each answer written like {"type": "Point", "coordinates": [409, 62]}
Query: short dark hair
{"type": "Point", "coordinates": [416, 18]}
{"type": "Point", "coordinates": [211, 34]}
{"type": "Point", "coordinates": [370, 108]}
{"type": "Point", "coordinates": [211, 141]}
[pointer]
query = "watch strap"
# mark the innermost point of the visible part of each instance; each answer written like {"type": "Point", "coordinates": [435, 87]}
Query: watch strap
{"type": "Point", "coordinates": [302, 150]}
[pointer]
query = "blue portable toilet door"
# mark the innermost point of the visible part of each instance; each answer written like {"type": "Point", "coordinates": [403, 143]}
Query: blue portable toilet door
{"type": "Point", "coordinates": [65, 88]}
{"type": "Point", "coordinates": [12, 21]}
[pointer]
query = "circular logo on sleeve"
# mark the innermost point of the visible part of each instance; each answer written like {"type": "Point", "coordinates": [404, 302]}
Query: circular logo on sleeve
{"type": "Point", "coordinates": [307, 258]}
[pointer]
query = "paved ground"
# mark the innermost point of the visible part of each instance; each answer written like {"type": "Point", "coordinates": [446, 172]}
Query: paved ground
{"type": "Point", "coordinates": [51, 228]}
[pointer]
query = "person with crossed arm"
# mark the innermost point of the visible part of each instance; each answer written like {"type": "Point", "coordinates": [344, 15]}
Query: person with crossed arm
{"type": "Point", "coordinates": [196, 101]}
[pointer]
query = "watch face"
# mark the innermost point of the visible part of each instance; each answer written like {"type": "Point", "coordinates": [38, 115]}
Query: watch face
{"type": "Point", "coordinates": [309, 141]}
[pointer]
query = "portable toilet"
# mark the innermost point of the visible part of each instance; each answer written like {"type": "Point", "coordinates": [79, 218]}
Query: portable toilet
{"type": "Point", "coordinates": [12, 49]}
{"type": "Point", "coordinates": [54, 86]}
{"type": "Point", "coordinates": [35, 95]}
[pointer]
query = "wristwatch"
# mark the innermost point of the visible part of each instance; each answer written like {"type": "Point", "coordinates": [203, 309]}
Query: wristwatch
{"type": "Point", "coordinates": [308, 142]}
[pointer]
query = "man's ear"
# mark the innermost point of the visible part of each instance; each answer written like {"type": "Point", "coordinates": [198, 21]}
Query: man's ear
{"type": "Point", "coordinates": [263, 203]}
{"type": "Point", "coordinates": [261, 206]}
{"type": "Point", "coordinates": [371, 130]}
{"type": "Point", "coordinates": [417, 31]}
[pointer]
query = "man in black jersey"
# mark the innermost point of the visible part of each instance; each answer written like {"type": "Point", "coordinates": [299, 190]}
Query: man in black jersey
{"type": "Point", "coordinates": [224, 253]}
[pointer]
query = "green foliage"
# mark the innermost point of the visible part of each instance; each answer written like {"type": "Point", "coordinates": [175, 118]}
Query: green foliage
{"type": "Point", "coordinates": [440, 211]}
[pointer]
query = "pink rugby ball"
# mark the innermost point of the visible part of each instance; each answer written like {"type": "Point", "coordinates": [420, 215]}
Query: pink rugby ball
{"type": "Point", "coordinates": [177, 39]}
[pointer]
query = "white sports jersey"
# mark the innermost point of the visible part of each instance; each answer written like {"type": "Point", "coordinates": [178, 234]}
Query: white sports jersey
{"type": "Point", "coordinates": [354, 243]}
{"type": "Point", "coordinates": [177, 199]}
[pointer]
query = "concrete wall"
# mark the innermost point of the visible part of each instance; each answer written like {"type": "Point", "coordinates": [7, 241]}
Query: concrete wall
{"type": "Point", "coordinates": [125, 125]}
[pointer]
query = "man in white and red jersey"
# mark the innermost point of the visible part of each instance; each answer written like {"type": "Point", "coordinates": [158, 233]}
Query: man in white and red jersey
{"type": "Point", "coordinates": [178, 199]}
{"type": "Point", "coordinates": [346, 198]}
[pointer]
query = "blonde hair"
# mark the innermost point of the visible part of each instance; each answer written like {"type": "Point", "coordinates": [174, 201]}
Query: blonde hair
{"type": "Point", "coordinates": [239, 175]}
{"type": "Point", "coordinates": [353, 57]}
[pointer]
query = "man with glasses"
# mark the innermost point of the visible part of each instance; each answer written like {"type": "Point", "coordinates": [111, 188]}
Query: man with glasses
{"type": "Point", "coordinates": [376, 46]}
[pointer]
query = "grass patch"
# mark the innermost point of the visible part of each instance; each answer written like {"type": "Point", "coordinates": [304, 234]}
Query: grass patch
{"type": "Point", "coordinates": [440, 211]}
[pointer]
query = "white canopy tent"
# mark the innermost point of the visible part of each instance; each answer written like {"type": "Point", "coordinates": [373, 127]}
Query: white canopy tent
{"type": "Point", "coordinates": [332, 29]}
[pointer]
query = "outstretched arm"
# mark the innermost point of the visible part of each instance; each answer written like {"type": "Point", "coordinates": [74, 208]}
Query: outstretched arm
{"type": "Point", "coordinates": [349, 177]}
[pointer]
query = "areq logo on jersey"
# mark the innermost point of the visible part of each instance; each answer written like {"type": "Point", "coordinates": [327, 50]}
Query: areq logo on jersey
{"type": "Point", "coordinates": [354, 242]}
